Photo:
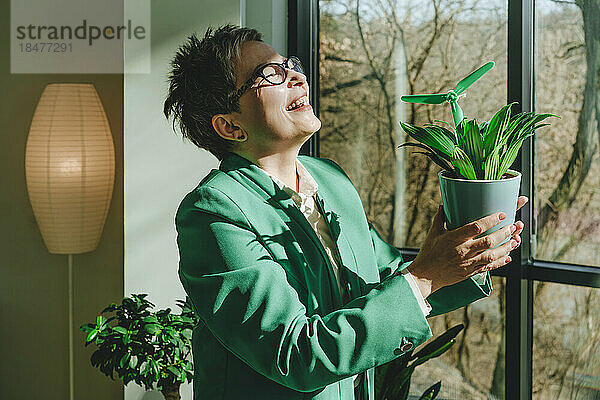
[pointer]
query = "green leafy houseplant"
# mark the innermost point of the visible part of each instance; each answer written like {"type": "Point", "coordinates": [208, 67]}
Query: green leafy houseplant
{"type": "Point", "coordinates": [477, 151]}
{"type": "Point", "coordinates": [392, 381]}
{"type": "Point", "coordinates": [471, 150]}
{"type": "Point", "coordinates": [475, 180]}
{"type": "Point", "coordinates": [148, 348]}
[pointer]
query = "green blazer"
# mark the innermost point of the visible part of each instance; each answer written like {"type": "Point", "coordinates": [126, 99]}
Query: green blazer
{"type": "Point", "coordinates": [272, 321]}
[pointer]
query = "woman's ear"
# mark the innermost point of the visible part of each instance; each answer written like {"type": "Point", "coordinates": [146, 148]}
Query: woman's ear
{"type": "Point", "coordinates": [226, 128]}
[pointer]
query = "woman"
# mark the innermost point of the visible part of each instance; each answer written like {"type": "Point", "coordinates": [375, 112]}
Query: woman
{"type": "Point", "coordinates": [297, 294]}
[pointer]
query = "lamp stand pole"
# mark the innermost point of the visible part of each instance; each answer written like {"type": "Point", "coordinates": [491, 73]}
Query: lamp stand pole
{"type": "Point", "coordinates": [71, 383]}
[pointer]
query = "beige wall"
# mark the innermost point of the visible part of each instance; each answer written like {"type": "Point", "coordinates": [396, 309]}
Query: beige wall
{"type": "Point", "coordinates": [161, 168]}
{"type": "Point", "coordinates": [33, 282]}
{"type": "Point", "coordinates": [149, 156]}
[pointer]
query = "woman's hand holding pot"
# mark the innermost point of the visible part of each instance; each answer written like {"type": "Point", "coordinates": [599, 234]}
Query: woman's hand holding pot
{"type": "Point", "coordinates": [448, 257]}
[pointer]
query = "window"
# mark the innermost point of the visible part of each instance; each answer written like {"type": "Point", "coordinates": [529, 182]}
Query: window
{"type": "Point", "coordinates": [543, 313]}
{"type": "Point", "coordinates": [474, 367]}
{"type": "Point", "coordinates": [567, 167]}
{"type": "Point", "coordinates": [566, 342]}
{"type": "Point", "coordinates": [371, 53]}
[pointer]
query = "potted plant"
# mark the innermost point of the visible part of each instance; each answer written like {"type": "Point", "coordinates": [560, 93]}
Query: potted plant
{"type": "Point", "coordinates": [392, 380]}
{"type": "Point", "coordinates": [148, 348]}
{"type": "Point", "coordinates": [475, 180]}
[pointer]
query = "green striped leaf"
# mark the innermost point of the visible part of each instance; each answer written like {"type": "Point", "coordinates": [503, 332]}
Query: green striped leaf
{"type": "Point", "coordinates": [472, 144]}
{"type": "Point", "coordinates": [431, 137]}
{"type": "Point", "coordinates": [526, 124]}
{"type": "Point", "coordinates": [495, 129]}
{"type": "Point", "coordinates": [492, 164]}
{"type": "Point", "coordinates": [510, 156]}
{"type": "Point", "coordinates": [443, 122]}
{"type": "Point", "coordinates": [436, 156]}
{"type": "Point", "coordinates": [440, 129]}
{"type": "Point", "coordinates": [520, 128]}
{"type": "Point", "coordinates": [461, 161]}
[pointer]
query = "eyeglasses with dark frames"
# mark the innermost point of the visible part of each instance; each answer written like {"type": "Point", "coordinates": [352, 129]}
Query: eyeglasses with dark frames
{"type": "Point", "coordinates": [274, 73]}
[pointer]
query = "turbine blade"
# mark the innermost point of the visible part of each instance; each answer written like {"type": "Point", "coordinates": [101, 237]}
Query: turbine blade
{"type": "Point", "coordinates": [425, 98]}
{"type": "Point", "coordinates": [472, 77]}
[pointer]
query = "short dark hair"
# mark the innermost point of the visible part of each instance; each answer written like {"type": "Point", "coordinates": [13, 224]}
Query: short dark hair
{"type": "Point", "coordinates": [202, 83]}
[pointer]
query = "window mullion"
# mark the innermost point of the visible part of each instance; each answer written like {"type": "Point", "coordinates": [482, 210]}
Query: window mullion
{"type": "Point", "coordinates": [519, 290]}
{"type": "Point", "coordinates": [303, 42]}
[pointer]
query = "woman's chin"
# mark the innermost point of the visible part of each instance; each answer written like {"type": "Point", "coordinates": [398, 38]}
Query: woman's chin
{"type": "Point", "coordinates": [313, 125]}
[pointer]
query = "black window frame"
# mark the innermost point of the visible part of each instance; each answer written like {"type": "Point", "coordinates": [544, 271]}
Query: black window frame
{"type": "Point", "coordinates": [520, 274]}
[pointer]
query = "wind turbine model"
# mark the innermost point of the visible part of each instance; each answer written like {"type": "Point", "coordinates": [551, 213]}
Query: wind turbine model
{"type": "Point", "coordinates": [452, 96]}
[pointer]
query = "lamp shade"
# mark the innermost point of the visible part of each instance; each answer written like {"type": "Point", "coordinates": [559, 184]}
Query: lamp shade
{"type": "Point", "coordinates": [70, 167]}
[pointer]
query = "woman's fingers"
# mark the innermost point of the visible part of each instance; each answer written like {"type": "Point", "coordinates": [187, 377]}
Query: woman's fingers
{"type": "Point", "coordinates": [492, 256]}
{"type": "Point", "coordinates": [500, 262]}
{"type": "Point", "coordinates": [520, 225]}
{"type": "Point", "coordinates": [489, 241]}
{"type": "Point", "coordinates": [475, 228]}
{"type": "Point", "coordinates": [519, 230]}
{"type": "Point", "coordinates": [475, 246]}
{"type": "Point", "coordinates": [521, 201]}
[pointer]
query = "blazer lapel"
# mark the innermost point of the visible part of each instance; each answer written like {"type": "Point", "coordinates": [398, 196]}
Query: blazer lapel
{"type": "Point", "coordinates": [264, 186]}
{"type": "Point", "coordinates": [255, 179]}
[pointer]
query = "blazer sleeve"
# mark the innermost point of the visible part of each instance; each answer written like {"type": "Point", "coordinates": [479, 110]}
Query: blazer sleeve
{"type": "Point", "coordinates": [446, 299]}
{"type": "Point", "coordinates": [244, 298]}
{"type": "Point", "coordinates": [389, 258]}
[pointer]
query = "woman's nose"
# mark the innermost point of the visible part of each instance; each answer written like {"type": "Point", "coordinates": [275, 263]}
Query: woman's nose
{"type": "Point", "coordinates": [296, 78]}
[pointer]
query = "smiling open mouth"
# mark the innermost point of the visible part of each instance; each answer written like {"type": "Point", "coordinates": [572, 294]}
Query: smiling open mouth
{"type": "Point", "coordinates": [301, 103]}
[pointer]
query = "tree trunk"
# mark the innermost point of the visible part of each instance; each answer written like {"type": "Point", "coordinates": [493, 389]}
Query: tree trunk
{"type": "Point", "coordinates": [417, 204]}
{"type": "Point", "coordinates": [398, 220]}
{"type": "Point", "coordinates": [498, 383]}
{"type": "Point", "coordinates": [592, 16]}
{"type": "Point", "coordinates": [171, 392]}
{"type": "Point", "coordinates": [462, 359]}
{"type": "Point", "coordinates": [497, 389]}
{"type": "Point", "coordinates": [588, 124]}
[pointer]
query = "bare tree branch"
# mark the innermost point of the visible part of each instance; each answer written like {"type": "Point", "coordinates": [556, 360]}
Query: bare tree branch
{"type": "Point", "coordinates": [348, 84]}
{"type": "Point", "coordinates": [331, 57]}
{"type": "Point", "coordinates": [585, 145]}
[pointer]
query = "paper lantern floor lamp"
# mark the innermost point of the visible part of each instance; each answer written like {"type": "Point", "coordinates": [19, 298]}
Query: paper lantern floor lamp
{"type": "Point", "coordinates": [70, 168]}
